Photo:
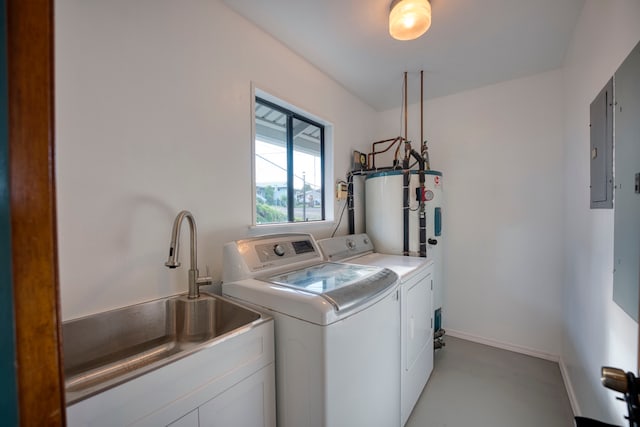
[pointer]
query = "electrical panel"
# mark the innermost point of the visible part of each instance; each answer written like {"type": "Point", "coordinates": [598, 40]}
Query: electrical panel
{"type": "Point", "coordinates": [626, 227]}
{"type": "Point", "coordinates": [601, 155]}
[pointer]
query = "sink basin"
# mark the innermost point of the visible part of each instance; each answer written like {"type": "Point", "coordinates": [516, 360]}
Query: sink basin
{"type": "Point", "coordinates": [106, 349]}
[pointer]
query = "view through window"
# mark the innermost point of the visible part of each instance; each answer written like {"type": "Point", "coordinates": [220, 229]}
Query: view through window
{"type": "Point", "coordinates": [289, 166]}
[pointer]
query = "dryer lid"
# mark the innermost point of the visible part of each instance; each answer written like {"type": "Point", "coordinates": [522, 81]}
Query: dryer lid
{"type": "Point", "coordinates": [343, 285]}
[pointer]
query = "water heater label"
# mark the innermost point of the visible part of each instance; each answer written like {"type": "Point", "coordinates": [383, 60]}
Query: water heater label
{"type": "Point", "coordinates": [436, 181]}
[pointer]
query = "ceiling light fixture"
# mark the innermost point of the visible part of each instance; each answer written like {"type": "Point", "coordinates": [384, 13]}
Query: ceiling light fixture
{"type": "Point", "coordinates": [409, 19]}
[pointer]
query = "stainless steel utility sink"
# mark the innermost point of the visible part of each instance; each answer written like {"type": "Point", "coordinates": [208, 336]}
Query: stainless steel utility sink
{"type": "Point", "coordinates": [106, 349]}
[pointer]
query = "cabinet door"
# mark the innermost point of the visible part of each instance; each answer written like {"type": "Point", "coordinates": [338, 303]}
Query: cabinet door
{"type": "Point", "coordinates": [250, 403]}
{"type": "Point", "coordinates": [626, 227]}
{"type": "Point", "coordinates": [418, 329]}
{"type": "Point", "coordinates": [601, 140]}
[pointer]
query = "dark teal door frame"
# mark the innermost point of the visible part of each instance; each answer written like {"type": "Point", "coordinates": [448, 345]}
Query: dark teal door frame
{"type": "Point", "coordinates": [8, 394]}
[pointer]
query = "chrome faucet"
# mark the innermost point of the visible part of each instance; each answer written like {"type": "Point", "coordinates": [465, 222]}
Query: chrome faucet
{"type": "Point", "coordinates": [194, 281]}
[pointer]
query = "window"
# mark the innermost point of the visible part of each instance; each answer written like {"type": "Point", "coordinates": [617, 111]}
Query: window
{"type": "Point", "coordinates": [289, 165]}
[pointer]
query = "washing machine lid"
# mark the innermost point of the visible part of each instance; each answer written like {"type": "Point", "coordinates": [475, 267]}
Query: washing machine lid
{"type": "Point", "coordinates": [358, 249]}
{"type": "Point", "coordinates": [344, 286]}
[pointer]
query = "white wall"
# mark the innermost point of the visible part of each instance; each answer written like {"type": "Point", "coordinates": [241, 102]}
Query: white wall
{"type": "Point", "coordinates": [500, 150]}
{"type": "Point", "coordinates": [598, 332]}
{"type": "Point", "coordinates": [153, 116]}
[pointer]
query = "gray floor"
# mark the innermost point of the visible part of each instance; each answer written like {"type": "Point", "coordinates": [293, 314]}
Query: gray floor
{"type": "Point", "coordinates": [481, 386]}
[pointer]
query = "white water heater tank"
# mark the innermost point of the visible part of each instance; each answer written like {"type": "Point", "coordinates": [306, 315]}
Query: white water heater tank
{"type": "Point", "coordinates": [384, 220]}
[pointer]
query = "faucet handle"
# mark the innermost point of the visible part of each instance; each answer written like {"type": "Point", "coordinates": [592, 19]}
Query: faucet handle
{"type": "Point", "coordinates": [204, 280]}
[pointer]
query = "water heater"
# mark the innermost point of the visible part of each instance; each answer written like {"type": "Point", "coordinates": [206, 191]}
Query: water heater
{"type": "Point", "coordinates": [384, 209]}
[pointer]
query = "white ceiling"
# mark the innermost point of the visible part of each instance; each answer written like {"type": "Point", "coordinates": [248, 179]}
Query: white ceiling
{"type": "Point", "coordinates": [471, 43]}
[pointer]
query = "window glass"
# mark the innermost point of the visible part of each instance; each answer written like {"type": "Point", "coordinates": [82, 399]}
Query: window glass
{"type": "Point", "coordinates": [289, 166]}
{"type": "Point", "coordinates": [307, 170]}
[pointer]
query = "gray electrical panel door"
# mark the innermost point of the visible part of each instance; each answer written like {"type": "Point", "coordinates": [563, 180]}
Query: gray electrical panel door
{"type": "Point", "coordinates": [626, 248]}
{"type": "Point", "coordinates": [601, 138]}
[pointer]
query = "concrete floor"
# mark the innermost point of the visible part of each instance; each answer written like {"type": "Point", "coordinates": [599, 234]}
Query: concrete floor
{"type": "Point", "coordinates": [481, 386]}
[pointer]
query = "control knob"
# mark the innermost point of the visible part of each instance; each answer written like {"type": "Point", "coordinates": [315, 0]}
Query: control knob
{"type": "Point", "coordinates": [278, 249]}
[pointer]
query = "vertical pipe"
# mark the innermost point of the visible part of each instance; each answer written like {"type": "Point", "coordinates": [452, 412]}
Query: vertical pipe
{"type": "Point", "coordinates": [405, 107]}
{"type": "Point", "coordinates": [423, 143]}
{"type": "Point", "coordinates": [405, 212]}
{"type": "Point", "coordinates": [422, 213]}
{"type": "Point", "coordinates": [421, 109]}
{"type": "Point", "coordinates": [351, 213]}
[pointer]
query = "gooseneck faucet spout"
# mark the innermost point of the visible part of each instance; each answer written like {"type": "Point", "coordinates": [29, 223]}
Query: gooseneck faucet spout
{"type": "Point", "coordinates": [172, 262]}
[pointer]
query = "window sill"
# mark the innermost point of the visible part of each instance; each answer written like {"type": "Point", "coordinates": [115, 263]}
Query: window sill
{"type": "Point", "coordinates": [290, 227]}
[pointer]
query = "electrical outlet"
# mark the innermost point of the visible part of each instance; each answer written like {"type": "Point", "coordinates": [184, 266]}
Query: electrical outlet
{"type": "Point", "coordinates": [341, 191]}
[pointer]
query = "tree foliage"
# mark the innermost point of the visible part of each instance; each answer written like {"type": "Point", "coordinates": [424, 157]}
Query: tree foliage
{"type": "Point", "coordinates": [268, 194]}
{"type": "Point", "coordinates": [267, 214]}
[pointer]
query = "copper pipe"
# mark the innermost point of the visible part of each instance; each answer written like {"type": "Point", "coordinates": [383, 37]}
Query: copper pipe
{"type": "Point", "coordinates": [371, 156]}
{"type": "Point", "coordinates": [395, 156]}
{"type": "Point", "coordinates": [421, 109]}
{"type": "Point", "coordinates": [373, 146]}
{"type": "Point", "coordinates": [405, 106]}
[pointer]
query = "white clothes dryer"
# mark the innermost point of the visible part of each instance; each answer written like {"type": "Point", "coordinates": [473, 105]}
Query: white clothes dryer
{"type": "Point", "coordinates": [416, 318]}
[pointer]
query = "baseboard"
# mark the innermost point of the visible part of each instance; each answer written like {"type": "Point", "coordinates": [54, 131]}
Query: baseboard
{"type": "Point", "coordinates": [529, 352]}
{"type": "Point", "coordinates": [569, 386]}
{"type": "Point", "coordinates": [503, 345]}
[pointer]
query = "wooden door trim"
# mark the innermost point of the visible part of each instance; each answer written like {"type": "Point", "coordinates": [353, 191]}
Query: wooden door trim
{"type": "Point", "coordinates": [33, 214]}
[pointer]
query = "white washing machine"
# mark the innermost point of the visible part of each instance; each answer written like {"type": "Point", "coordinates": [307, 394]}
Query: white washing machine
{"type": "Point", "coordinates": [336, 328]}
{"type": "Point", "coordinates": [416, 299]}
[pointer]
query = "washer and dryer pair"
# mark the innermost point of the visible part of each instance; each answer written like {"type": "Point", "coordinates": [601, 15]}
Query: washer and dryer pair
{"type": "Point", "coordinates": [337, 326]}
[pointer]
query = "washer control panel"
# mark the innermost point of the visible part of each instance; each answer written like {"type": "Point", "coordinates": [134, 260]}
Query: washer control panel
{"type": "Point", "coordinates": [283, 249]}
{"type": "Point", "coordinates": [276, 250]}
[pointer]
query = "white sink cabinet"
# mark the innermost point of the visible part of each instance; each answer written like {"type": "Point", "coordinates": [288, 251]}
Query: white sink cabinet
{"type": "Point", "coordinates": [230, 382]}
